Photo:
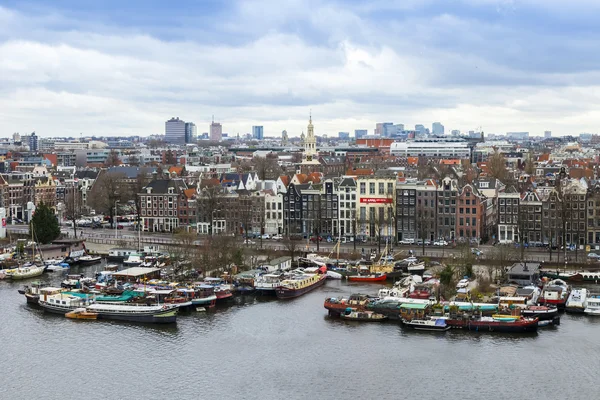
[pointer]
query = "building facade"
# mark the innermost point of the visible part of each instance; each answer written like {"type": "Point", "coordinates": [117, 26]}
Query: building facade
{"type": "Point", "coordinates": [175, 131]}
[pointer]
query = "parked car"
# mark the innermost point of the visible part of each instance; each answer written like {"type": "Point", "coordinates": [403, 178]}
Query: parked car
{"type": "Point", "coordinates": [463, 283]}
{"type": "Point", "coordinates": [120, 226]}
{"type": "Point", "coordinates": [476, 251]}
{"type": "Point", "coordinates": [265, 236]}
{"type": "Point", "coordinates": [593, 256]}
{"type": "Point", "coordinates": [315, 238]}
{"type": "Point", "coordinates": [248, 241]}
{"type": "Point", "coordinates": [440, 243]}
{"type": "Point", "coordinates": [277, 237]}
{"type": "Point", "coordinates": [407, 241]}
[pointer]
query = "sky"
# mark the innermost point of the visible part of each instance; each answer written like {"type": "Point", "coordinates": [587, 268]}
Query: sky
{"type": "Point", "coordinates": [71, 67]}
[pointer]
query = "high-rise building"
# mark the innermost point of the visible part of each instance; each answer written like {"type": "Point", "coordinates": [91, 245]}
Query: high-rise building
{"type": "Point", "coordinates": [175, 131]}
{"type": "Point", "coordinates": [191, 132]}
{"type": "Point", "coordinates": [437, 129]}
{"type": "Point", "coordinates": [257, 133]}
{"type": "Point", "coordinates": [398, 128]}
{"type": "Point", "coordinates": [216, 131]}
{"type": "Point", "coordinates": [33, 142]}
{"type": "Point", "coordinates": [421, 130]}
{"type": "Point", "coordinates": [17, 138]}
{"type": "Point", "coordinates": [385, 129]}
{"type": "Point", "coordinates": [360, 133]}
{"type": "Point", "coordinates": [455, 132]}
{"type": "Point", "coordinates": [547, 134]}
{"type": "Point", "coordinates": [344, 135]}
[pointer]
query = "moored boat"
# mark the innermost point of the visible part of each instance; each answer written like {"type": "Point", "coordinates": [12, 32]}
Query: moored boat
{"type": "Point", "coordinates": [298, 285]}
{"type": "Point", "coordinates": [63, 302]}
{"type": "Point", "coordinates": [89, 260]}
{"type": "Point", "coordinates": [543, 313]}
{"type": "Point", "coordinates": [490, 324]}
{"type": "Point", "coordinates": [222, 289]}
{"type": "Point", "coordinates": [204, 296]}
{"type": "Point", "coordinates": [433, 323]}
{"type": "Point", "coordinates": [555, 292]}
{"type": "Point", "coordinates": [358, 301]}
{"type": "Point", "coordinates": [363, 316]}
{"type": "Point", "coordinates": [577, 301]}
{"type": "Point", "coordinates": [34, 292]}
{"type": "Point", "coordinates": [58, 267]}
{"type": "Point", "coordinates": [26, 272]}
{"type": "Point", "coordinates": [334, 275]}
{"type": "Point", "coordinates": [156, 314]}
{"type": "Point", "coordinates": [593, 306]}
{"type": "Point", "coordinates": [81, 313]}
{"type": "Point", "coordinates": [368, 278]}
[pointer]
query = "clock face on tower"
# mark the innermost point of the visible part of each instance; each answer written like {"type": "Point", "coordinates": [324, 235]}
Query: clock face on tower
{"type": "Point", "coordinates": [308, 158]}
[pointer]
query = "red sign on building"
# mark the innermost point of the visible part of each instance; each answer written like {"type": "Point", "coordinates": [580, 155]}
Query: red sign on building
{"type": "Point", "coordinates": [4, 222]}
{"type": "Point", "coordinates": [374, 200]}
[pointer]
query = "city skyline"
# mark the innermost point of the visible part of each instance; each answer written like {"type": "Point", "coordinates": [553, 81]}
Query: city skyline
{"type": "Point", "coordinates": [70, 67]}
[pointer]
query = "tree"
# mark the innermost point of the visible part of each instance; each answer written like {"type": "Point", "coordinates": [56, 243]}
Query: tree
{"type": "Point", "coordinates": [530, 164]}
{"type": "Point", "coordinates": [107, 190]}
{"type": "Point", "coordinates": [183, 246]}
{"type": "Point", "coordinates": [292, 248]}
{"type": "Point", "coordinates": [501, 257]}
{"type": "Point", "coordinates": [267, 167]}
{"type": "Point", "coordinates": [141, 181]}
{"type": "Point", "coordinates": [44, 225]}
{"type": "Point", "coordinates": [424, 222]}
{"type": "Point", "coordinates": [496, 166]}
{"type": "Point", "coordinates": [113, 159]}
{"type": "Point", "coordinates": [209, 203]}
{"type": "Point", "coordinates": [73, 206]}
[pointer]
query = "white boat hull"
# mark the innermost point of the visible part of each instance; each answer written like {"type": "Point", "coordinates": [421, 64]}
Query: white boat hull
{"type": "Point", "coordinates": [334, 275]}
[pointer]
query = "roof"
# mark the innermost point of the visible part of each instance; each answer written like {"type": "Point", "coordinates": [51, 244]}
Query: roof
{"type": "Point", "coordinates": [348, 182]}
{"type": "Point", "coordinates": [129, 171]}
{"type": "Point", "coordinates": [412, 306]}
{"type": "Point", "coordinates": [162, 185]}
{"type": "Point", "coordinates": [524, 269]}
{"type": "Point", "coordinates": [189, 193]}
{"type": "Point", "coordinates": [136, 271]}
{"type": "Point", "coordinates": [285, 180]}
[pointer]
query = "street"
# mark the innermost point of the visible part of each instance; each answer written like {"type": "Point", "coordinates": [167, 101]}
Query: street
{"type": "Point", "coordinates": [536, 254]}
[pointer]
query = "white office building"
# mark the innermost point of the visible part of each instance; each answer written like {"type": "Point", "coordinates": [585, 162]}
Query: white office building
{"type": "Point", "coordinates": [434, 148]}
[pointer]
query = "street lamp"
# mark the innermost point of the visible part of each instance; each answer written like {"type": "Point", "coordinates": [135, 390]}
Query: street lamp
{"type": "Point", "coordinates": [115, 219]}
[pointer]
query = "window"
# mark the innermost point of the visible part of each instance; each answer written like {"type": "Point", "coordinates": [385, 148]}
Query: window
{"type": "Point", "coordinates": [381, 188]}
{"type": "Point", "coordinates": [473, 221]}
{"type": "Point", "coordinates": [468, 202]}
{"type": "Point", "coordinates": [474, 211]}
{"type": "Point", "coordinates": [372, 188]}
{"type": "Point", "coordinates": [363, 188]}
{"type": "Point", "coordinates": [390, 188]}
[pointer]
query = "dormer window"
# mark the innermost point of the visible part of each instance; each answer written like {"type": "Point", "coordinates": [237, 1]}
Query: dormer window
{"type": "Point", "coordinates": [170, 190]}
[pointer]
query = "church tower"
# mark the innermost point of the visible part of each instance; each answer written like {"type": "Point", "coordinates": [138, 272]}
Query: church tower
{"type": "Point", "coordinates": [310, 145]}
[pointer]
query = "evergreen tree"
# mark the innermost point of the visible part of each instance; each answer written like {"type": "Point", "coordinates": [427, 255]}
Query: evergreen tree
{"type": "Point", "coordinates": [44, 224]}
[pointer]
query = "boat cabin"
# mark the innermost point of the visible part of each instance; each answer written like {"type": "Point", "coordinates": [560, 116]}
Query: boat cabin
{"type": "Point", "coordinates": [512, 302]}
{"type": "Point", "coordinates": [410, 311]}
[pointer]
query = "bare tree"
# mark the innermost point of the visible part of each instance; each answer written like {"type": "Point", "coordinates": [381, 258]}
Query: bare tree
{"type": "Point", "coordinates": [133, 160]}
{"type": "Point", "coordinates": [496, 166]}
{"type": "Point", "coordinates": [210, 203]}
{"type": "Point", "coordinates": [500, 258]}
{"type": "Point", "coordinates": [107, 190]}
{"type": "Point", "coordinates": [267, 167]}
{"type": "Point", "coordinates": [292, 248]}
{"type": "Point", "coordinates": [170, 158]}
{"type": "Point", "coordinates": [73, 206]}
{"type": "Point", "coordinates": [113, 159]}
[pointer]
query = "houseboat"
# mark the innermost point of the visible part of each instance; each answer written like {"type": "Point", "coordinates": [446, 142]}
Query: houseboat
{"type": "Point", "coordinates": [358, 301]}
{"type": "Point", "coordinates": [555, 292]}
{"type": "Point", "coordinates": [32, 293]}
{"type": "Point", "coordinates": [222, 289]}
{"type": "Point", "coordinates": [362, 316]}
{"type": "Point", "coordinates": [204, 296]}
{"type": "Point", "coordinates": [133, 260]}
{"type": "Point", "coordinates": [543, 313]}
{"type": "Point", "coordinates": [490, 324]}
{"type": "Point", "coordinates": [433, 323]}
{"type": "Point", "coordinates": [592, 306]}
{"type": "Point", "coordinates": [155, 314]}
{"type": "Point", "coordinates": [298, 285]}
{"type": "Point", "coordinates": [64, 302]}
{"type": "Point", "coordinates": [577, 301]}
{"type": "Point", "coordinates": [120, 254]}
{"type": "Point", "coordinates": [265, 284]}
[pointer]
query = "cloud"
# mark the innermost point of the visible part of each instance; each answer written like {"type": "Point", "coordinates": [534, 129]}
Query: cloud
{"type": "Point", "coordinates": [66, 70]}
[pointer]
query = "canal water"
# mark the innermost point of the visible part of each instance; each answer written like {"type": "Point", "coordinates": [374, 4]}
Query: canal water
{"type": "Point", "coordinates": [267, 349]}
